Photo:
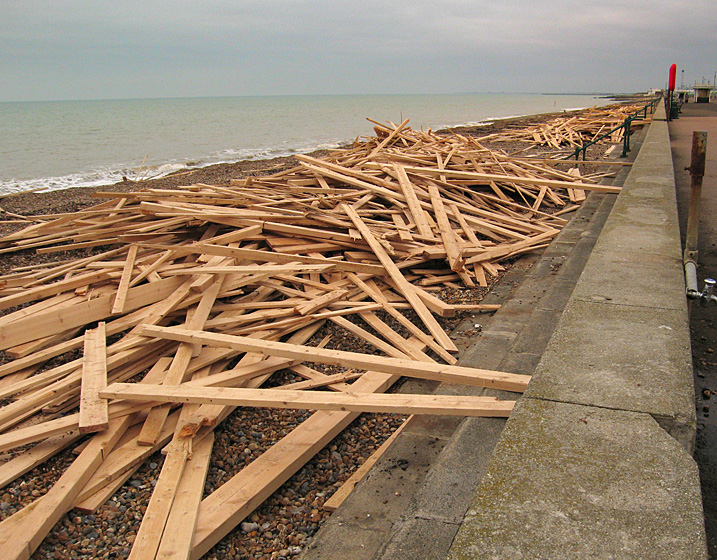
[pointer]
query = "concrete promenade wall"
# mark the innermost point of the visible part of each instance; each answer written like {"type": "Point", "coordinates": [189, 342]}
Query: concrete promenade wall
{"type": "Point", "coordinates": [595, 461]}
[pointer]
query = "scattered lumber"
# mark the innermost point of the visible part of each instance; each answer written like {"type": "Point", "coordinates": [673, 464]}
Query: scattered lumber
{"type": "Point", "coordinates": [185, 302]}
{"type": "Point", "coordinates": [574, 130]}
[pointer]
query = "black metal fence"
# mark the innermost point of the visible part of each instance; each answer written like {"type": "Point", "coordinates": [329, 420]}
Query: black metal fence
{"type": "Point", "coordinates": [640, 114]}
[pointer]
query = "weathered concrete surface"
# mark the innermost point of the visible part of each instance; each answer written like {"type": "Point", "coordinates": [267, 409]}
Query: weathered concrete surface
{"type": "Point", "coordinates": [623, 341]}
{"type": "Point", "coordinates": [583, 469]}
{"type": "Point", "coordinates": [573, 481]}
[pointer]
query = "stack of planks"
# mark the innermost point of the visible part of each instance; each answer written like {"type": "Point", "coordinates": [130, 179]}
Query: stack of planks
{"type": "Point", "coordinates": [198, 295]}
{"type": "Point", "coordinates": [574, 130]}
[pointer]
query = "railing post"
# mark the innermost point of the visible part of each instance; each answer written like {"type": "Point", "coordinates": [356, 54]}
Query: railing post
{"type": "Point", "coordinates": [626, 138]}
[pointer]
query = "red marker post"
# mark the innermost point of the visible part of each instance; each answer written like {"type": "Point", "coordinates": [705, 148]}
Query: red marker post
{"type": "Point", "coordinates": [671, 90]}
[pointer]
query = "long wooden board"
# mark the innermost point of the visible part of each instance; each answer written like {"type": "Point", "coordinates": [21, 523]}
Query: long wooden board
{"type": "Point", "coordinates": [445, 405]}
{"type": "Point", "coordinates": [437, 372]}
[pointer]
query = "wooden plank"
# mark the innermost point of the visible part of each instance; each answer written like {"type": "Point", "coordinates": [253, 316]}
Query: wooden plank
{"type": "Point", "coordinates": [28, 460]}
{"type": "Point", "coordinates": [406, 288]}
{"type": "Point", "coordinates": [120, 300]}
{"type": "Point", "coordinates": [22, 533]}
{"type": "Point", "coordinates": [125, 458]}
{"type": "Point", "coordinates": [274, 256]}
{"type": "Point", "coordinates": [178, 368]}
{"type": "Point", "coordinates": [438, 372]}
{"type": "Point", "coordinates": [151, 529]}
{"type": "Point", "coordinates": [179, 530]}
{"type": "Point", "coordinates": [334, 380]}
{"type": "Point", "coordinates": [253, 269]}
{"type": "Point", "coordinates": [40, 292]}
{"type": "Point", "coordinates": [225, 508]}
{"type": "Point", "coordinates": [47, 323]}
{"type": "Point", "coordinates": [392, 403]}
{"type": "Point", "coordinates": [414, 206]}
{"type": "Point", "coordinates": [338, 497]}
{"type": "Point", "coordinates": [317, 303]}
{"type": "Point", "coordinates": [453, 251]}
{"type": "Point", "coordinates": [377, 295]}
{"type": "Point", "coordinates": [94, 411]}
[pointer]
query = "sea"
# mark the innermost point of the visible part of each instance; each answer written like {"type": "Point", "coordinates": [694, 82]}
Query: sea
{"type": "Point", "coordinates": [50, 145]}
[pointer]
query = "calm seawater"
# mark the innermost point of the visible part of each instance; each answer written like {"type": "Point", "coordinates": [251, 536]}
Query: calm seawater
{"type": "Point", "coordinates": [62, 144]}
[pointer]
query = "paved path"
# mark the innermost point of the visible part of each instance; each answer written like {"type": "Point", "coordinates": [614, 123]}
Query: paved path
{"type": "Point", "coordinates": [703, 321]}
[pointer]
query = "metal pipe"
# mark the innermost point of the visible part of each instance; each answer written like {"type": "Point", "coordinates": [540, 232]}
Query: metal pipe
{"type": "Point", "coordinates": [693, 291]}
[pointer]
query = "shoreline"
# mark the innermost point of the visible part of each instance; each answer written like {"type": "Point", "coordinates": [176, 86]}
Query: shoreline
{"type": "Point", "coordinates": [72, 199]}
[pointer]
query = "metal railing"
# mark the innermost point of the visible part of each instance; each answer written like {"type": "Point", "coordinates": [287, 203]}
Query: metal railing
{"type": "Point", "coordinates": [640, 114]}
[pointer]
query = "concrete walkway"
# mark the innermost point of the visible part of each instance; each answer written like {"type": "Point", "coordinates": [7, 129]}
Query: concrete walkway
{"type": "Point", "coordinates": [595, 461]}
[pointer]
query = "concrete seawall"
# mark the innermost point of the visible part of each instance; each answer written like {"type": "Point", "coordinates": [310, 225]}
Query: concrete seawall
{"type": "Point", "coordinates": [595, 461]}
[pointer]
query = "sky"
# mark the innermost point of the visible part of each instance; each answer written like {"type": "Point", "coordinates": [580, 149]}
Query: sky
{"type": "Point", "coordinates": [100, 49]}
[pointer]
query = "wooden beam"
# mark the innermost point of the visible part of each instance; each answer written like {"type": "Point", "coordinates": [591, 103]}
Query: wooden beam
{"type": "Point", "coordinates": [392, 403]}
{"type": "Point", "coordinates": [119, 303]}
{"type": "Point", "coordinates": [94, 412]}
{"type": "Point", "coordinates": [453, 252]}
{"type": "Point", "coordinates": [22, 532]}
{"type": "Point", "coordinates": [434, 371]}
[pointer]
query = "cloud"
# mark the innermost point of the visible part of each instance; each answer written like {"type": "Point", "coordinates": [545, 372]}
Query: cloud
{"type": "Point", "coordinates": [95, 48]}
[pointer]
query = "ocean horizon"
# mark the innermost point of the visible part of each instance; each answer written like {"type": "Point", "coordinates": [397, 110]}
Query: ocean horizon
{"type": "Point", "coordinates": [50, 145]}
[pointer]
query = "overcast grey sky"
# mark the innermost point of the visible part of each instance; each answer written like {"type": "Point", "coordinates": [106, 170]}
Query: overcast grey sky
{"type": "Point", "coordinates": [95, 49]}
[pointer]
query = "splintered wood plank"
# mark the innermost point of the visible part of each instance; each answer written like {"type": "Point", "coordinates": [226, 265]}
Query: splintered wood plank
{"type": "Point", "coordinates": [434, 371]}
{"type": "Point", "coordinates": [403, 232]}
{"type": "Point", "coordinates": [338, 497]}
{"type": "Point", "coordinates": [94, 411]}
{"type": "Point", "coordinates": [406, 288]}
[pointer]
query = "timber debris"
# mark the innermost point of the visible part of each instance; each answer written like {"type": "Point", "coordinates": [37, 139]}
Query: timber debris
{"type": "Point", "coordinates": [191, 298]}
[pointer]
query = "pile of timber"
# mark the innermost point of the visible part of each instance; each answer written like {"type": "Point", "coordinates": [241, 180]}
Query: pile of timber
{"type": "Point", "coordinates": [576, 130]}
{"type": "Point", "coordinates": [198, 295]}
